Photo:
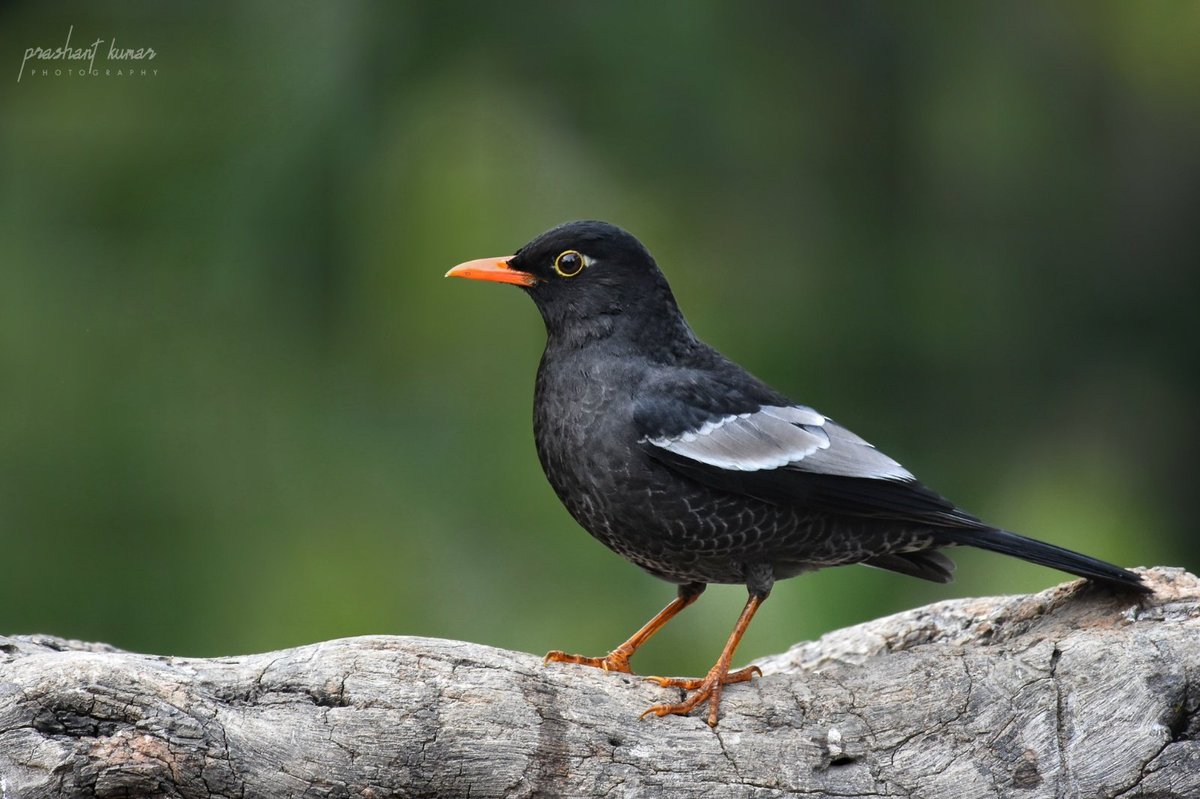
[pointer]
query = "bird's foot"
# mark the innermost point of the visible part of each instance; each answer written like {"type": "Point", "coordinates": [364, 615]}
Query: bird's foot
{"type": "Point", "coordinates": [613, 661]}
{"type": "Point", "coordinates": [694, 683]}
{"type": "Point", "coordinates": [707, 688]}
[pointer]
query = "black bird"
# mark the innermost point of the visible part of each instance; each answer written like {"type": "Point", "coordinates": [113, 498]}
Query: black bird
{"type": "Point", "coordinates": [684, 463]}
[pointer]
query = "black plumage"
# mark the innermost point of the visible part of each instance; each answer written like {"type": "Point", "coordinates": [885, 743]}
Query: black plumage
{"type": "Point", "coordinates": [690, 467]}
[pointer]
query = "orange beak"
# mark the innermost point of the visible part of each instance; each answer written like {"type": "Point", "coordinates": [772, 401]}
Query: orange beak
{"type": "Point", "coordinates": [496, 270]}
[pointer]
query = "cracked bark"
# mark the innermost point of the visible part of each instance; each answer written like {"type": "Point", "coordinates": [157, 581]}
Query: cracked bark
{"type": "Point", "coordinates": [1070, 692]}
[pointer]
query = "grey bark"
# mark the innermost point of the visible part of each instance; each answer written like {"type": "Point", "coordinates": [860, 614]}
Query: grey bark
{"type": "Point", "coordinates": [1070, 692]}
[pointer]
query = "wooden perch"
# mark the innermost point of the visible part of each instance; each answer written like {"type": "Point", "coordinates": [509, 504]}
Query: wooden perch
{"type": "Point", "coordinates": [1072, 692]}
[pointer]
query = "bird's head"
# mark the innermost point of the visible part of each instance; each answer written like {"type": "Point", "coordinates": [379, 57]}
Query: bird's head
{"type": "Point", "coordinates": [587, 278]}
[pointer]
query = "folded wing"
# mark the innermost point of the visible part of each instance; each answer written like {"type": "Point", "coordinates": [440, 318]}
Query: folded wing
{"type": "Point", "coordinates": [791, 454]}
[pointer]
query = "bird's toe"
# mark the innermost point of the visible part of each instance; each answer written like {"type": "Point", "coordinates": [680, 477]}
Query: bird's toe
{"type": "Point", "coordinates": [613, 661]}
{"type": "Point", "coordinates": [708, 688]}
{"type": "Point", "coordinates": [695, 683]}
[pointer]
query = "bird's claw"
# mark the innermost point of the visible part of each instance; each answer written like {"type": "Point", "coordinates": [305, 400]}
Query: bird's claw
{"type": "Point", "coordinates": [686, 683]}
{"type": "Point", "coordinates": [694, 683]}
{"type": "Point", "coordinates": [613, 661]}
{"type": "Point", "coordinates": [708, 688]}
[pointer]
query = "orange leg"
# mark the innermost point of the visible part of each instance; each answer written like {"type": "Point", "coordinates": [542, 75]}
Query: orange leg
{"type": "Point", "coordinates": [618, 659]}
{"type": "Point", "coordinates": [718, 676]}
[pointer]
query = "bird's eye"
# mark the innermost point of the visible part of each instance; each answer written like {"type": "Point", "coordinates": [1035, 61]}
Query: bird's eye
{"type": "Point", "coordinates": [569, 263]}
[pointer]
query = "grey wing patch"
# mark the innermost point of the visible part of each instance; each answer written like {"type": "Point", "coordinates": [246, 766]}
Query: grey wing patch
{"type": "Point", "coordinates": [775, 437]}
{"type": "Point", "coordinates": [769, 438]}
{"type": "Point", "coordinates": [850, 456]}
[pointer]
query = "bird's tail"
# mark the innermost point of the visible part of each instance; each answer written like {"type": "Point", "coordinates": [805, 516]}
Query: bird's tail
{"type": "Point", "coordinates": [1018, 546]}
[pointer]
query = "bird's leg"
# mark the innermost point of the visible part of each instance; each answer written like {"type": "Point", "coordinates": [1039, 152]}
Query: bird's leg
{"type": "Point", "coordinates": [618, 659]}
{"type": "Point", "coordinates": [718, 676]}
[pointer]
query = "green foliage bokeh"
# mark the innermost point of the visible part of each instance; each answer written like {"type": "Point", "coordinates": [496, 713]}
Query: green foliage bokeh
{"type": "Point", "coordinates": [240, 409]}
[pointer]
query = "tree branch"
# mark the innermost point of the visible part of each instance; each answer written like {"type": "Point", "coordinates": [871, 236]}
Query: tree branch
{"type": "Point", "coordinates": [1070, 692]}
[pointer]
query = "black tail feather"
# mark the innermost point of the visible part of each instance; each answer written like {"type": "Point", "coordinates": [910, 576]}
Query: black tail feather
{"type": "Point", "coordinates": [1018, 546]}
{"type": "Point", "coordinates": [927, 564]}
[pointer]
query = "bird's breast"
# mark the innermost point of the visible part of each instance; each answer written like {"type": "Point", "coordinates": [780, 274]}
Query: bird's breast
{"type": "Point", "coordinates": [583, 428]}
{"type": "Point", "coordinates": [582, 421]}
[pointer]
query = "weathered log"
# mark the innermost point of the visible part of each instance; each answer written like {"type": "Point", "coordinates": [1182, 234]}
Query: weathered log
{"type": "Point", "coordinates": [1070, 692]}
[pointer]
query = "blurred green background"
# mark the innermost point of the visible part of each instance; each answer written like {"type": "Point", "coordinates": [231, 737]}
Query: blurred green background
{"type": "Point", "coordinates": [240, 409]}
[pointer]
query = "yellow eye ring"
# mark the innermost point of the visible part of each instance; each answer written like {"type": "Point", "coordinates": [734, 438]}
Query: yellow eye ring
{"type": "Point", "coordinates": [569, 263]}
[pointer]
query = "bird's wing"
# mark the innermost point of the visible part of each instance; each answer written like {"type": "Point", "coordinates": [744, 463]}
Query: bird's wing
{"type": "Point", "coordinates": [788, 454]}
{"type": "Point", "coordinates": [774, 437]}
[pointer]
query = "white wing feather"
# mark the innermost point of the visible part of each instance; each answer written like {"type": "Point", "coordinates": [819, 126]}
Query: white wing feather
{"type": "Point", "coordinates": [774, 437]}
